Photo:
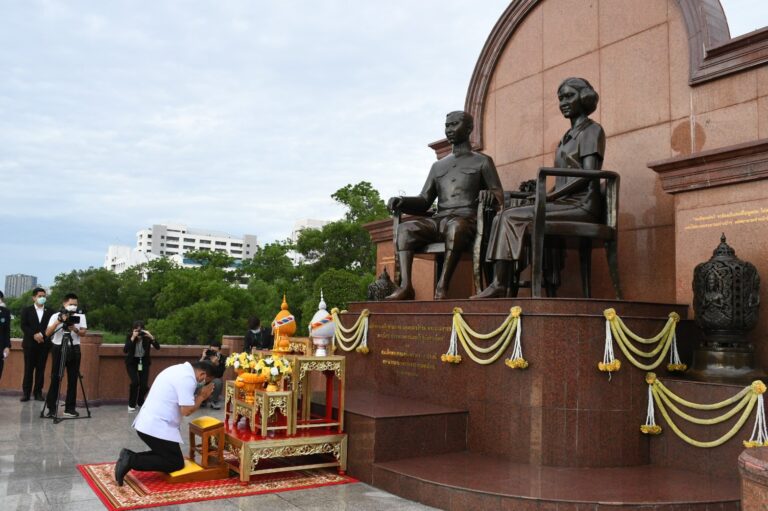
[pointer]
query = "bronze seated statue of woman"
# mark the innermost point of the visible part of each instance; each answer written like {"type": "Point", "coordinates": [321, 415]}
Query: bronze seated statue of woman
{"type": "Point", "coordinates": [571, 199]}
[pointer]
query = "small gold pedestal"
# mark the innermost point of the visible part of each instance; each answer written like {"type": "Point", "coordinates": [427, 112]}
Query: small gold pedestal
{"type": "Point", "coordinates": [264, 406]}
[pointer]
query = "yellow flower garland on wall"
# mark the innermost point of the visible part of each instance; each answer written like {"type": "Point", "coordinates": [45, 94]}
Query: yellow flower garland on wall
{"type": "Point", "coordinates": [359, 339]}
{"type": "Point", "coordinates": [666, 339]}
{"type": "Point", "coordinates": [744, 401]}
{"type": "Point", "coordinates": [462, 333]}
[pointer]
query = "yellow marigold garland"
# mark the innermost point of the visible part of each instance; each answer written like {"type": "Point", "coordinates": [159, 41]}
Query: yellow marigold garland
{"type": "Point", "coordinates": [358, 341]}
{"type": "Point", "coordinates": [745, 401]}
{"type": "Point", "coordinates": [666, 339]}
{"type": "Point", "coordinates": [462, 333]}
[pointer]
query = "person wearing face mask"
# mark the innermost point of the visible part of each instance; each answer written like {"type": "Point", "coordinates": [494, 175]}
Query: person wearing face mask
{"type": "Point", "coordinates": [34, 321]}
{"type": "Point", "coordinates": [137, 360]}
{"type": "Point", "coordinates": [178, 390]}
{"type": "Point", "coordinates": [5, 333]}
{"type": "Point", "coordinates": [70, 321]}
{"type": "Point", "coordinates": [257, 336]}
{"type": "Point", "coordinates": [213, 355]}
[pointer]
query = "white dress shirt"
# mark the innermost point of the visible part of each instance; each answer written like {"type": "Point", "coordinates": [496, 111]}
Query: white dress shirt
{"type": "Point", "coordinates": [59, 334]}
{"type": "Point", "coordinates": [160, 416]}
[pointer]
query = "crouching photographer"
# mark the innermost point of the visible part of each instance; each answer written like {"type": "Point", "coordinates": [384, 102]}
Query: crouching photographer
{"type": "Point", "coordinates": [64, 330]}
{"type": "Point", "coordinates": [213, 355]}
{"type": "Point", "coordinates": [137, 360]}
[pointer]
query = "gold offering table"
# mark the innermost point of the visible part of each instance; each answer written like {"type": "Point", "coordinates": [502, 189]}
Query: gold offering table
{"type": "Point", "coordinates": [249, 455]}
{"type": "Point", "coordinates": [264, 407]}
{"type": "Point", "coordinates": [280, 433]}
{"type": "Point", "coordinates": [332, 367]}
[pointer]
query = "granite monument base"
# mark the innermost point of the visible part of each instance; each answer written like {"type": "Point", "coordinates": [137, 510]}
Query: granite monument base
{"type": "Point", "coordinates": [555, 434]}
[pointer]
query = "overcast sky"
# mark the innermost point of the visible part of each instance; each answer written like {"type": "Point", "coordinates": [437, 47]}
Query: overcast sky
{"type": "Point", "coordinates": [236, 116]}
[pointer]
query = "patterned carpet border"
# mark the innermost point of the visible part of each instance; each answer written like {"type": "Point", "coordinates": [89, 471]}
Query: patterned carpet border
{"type": "Point", "coordinates": [148, 489]}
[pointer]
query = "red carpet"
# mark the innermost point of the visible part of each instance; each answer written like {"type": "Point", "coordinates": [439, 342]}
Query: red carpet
{"type": "Point", "coordinates": [148, 489]}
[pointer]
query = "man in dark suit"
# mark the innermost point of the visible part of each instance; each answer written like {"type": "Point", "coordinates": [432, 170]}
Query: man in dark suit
{"type": "Point", "coordinates": [257, 337]}
{"type": "Point", "coordinates": [34, 321]}
{"type": "Point", "coordinates": [5, 333]}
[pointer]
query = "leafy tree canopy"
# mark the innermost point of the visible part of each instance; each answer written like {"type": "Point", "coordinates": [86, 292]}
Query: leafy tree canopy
{"type": "Point", "coordinates": [363, 203]}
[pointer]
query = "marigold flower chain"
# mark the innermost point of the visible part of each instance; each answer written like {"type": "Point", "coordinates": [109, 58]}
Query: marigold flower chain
{"type": "Point", "coordinates": [462, 333]}
{"type": "Point", "coordinates": [749, 398]}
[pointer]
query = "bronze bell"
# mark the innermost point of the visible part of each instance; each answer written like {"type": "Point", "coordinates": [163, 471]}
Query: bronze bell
{"type": "Point", "coordinates": [726, 300]}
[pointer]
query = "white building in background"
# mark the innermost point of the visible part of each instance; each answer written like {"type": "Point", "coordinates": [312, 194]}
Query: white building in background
{"type": "Point", "coordinates": [174, 242]}
{"type": "Point", "coordinates": [299, 226]}
{"type": "Point", "coordinates": [168, 240]}
{"type": "Point", "coordinates": [121, 257]}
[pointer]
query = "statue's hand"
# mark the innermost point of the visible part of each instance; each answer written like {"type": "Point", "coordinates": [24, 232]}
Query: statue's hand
{"type": "Point", "coordinates": [486, 198]}
{"type": "Point", "coordinates": [394, 203]}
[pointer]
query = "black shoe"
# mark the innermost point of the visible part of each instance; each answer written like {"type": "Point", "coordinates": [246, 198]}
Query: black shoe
{"type": "Point", "coordinates": [39, 397]}
{"type": "Point", "coordinates": [71, 413]}
{"type": "Point", "coordinates": [49, 414]}
{"type": "Point", "coordinates": [24, 399]}
{"type": "Point", "coordinates": [123, 466]}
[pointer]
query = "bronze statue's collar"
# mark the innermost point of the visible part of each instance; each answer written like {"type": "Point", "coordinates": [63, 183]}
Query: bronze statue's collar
{"type": "Point", "coordinates": [462, 149]}
{"type": "Point", "coordinates": [577, 128]}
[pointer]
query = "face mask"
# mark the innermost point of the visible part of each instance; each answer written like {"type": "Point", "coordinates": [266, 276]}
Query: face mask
{"type": "Point", "coordinates": [40, 300]}
{"type": "Point", "coordinates": [71, 308]}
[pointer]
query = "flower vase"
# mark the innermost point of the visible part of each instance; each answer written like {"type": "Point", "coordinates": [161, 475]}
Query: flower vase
{"type": "Point", "coordinates": [250, 390]}
{"type": "Point", "coordinates": [251, 381]}
{"type": "Point", "coordinates": [273, 385]}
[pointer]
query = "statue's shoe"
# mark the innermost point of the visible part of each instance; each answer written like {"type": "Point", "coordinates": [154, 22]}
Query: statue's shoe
{"type": "Point", "coordinates": [402, 293]}
{"type": "Point", "coordinates": [491, 292]}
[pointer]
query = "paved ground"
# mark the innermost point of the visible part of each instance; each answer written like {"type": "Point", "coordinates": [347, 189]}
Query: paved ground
{"type": "Point", "coordinates": [38, 467]}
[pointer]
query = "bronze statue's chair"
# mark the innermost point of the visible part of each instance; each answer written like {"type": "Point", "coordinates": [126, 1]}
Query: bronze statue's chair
{"type": "Point", "coordinates": [479, 269]}
{"type": "Point", "coordinates": [606, 231]}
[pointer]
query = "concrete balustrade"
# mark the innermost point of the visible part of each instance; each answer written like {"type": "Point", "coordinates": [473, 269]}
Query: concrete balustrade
{"type": "Point", "coordinates": [105, 378]}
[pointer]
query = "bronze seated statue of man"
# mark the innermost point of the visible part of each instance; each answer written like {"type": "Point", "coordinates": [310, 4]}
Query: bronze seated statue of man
{"type": "Point", "coordinates": [572, 198]}
{"type": "Point", "coordinates": [459, 182]}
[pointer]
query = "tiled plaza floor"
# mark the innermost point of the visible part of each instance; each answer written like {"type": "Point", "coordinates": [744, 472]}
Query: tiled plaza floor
{"type": "Point", "coordinates": [38, 462]}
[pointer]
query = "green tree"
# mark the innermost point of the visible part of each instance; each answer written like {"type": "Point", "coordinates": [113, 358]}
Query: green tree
{"type": "Point", "coordinates": [97, 290]}
{"type": "Point", "coordinates": [338, 245]}
{"type": "Point", "coordinates": [363, 203]}
{"type": "Point", "coordinates": [339, 287]}
{"type": "Point", "coordinates": [198, 305]}
{"type": "Point", "coordinates": [271, 264]}
{"type": "Point", "coordinates": [211, 259]}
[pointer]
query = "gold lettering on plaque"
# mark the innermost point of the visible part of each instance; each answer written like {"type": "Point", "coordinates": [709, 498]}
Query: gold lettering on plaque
{"type": "Point", "coordinates": [402, 359]}
{"type": "Point", "coordinates": [429, 333]}
{"type": "Point", "coordinates": [719, 220]}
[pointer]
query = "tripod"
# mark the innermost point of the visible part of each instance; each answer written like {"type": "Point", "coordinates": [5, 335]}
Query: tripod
{"type": "Point", "coordinates": [67, 345]}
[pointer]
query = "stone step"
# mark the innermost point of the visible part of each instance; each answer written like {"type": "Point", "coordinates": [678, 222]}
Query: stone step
{"type": "Point", "coordinates": [385, 428]}
{"type": "Point", "coordinates": [465, 480]}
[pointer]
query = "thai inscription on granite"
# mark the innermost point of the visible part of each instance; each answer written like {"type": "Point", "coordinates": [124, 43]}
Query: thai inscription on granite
{"type": "Point", "coordinates": [401, 356]}
{"type": "Point", "coordinates": [742, 216]}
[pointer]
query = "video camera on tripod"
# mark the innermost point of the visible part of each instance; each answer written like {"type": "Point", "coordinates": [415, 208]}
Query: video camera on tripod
{"type": "Point", "coordinates": [69, 318]}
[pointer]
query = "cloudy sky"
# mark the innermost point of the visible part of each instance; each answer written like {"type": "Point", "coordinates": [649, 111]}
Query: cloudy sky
{"type": "Point", "coordinates": [239, 116]}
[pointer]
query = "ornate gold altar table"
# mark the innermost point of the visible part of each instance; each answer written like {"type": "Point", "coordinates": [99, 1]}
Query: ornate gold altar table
{"type": "Point", "coordinates": [249, 452]}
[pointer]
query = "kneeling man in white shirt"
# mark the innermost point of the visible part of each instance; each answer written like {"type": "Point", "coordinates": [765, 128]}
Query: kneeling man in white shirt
{"type": "Point", "coordinates": [172, 395]}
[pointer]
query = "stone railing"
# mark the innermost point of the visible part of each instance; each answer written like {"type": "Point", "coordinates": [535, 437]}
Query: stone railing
{"type": "Point", "coordinates": [105, 378]}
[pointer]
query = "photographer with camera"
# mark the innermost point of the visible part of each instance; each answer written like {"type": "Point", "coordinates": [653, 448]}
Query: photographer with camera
{"type": "Point", "coordinates": [213, 355]}
{"type": "Point", "coordinates": [137, 359]}
{"type": "Point", "coordinates": [66, 327]}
